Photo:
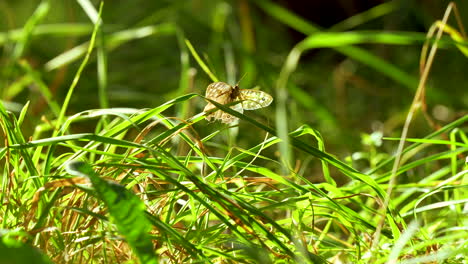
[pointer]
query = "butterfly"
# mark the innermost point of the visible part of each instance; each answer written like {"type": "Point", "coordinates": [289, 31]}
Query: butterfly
{"type": "Point", "coordinates": [224, 93]}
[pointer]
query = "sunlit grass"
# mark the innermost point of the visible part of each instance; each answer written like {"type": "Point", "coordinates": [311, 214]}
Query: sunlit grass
{"type": "Point", "coordinates": [160, 183]}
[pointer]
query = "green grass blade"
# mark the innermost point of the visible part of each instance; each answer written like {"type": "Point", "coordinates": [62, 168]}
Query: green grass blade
{"type": "Point", "coordinates": [39, 14]}
{"type": "Point", "coordinates": [61, 29]}
{"type": "Point", "coordinates": [447, 128]}
{"type": "Point", "coordinates": [358, 54]}
{"type": "Point", "coordinates": [366, 16]}
{"type": "Point", "coordinates": [200, 61]}
{"type": "Point", "coordinates": [78, 73]}
{"type": "Point", "coordinates": [14, 251]}
{"type": "Point", "coordinates": [126, 210]}
{"type": "Point", "coordinates": [113, 41]}
{"type": "Point", "coordinates": [343, 167]}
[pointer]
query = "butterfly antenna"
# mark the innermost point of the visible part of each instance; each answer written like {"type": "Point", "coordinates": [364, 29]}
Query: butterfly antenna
{"type": "Point", "coordinates": [237, 84]}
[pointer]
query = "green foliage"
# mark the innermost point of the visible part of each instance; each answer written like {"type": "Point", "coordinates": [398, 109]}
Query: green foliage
{"type": "Point", "coordinates": [107, 156]}
{"type": "Point", "coordinates": [13, 251]}
{"type": "Point", "coordinates": [124, 207]}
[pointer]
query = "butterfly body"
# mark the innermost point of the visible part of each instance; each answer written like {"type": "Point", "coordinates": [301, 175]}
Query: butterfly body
{"type": "Point", "coordinates": [224, 93]}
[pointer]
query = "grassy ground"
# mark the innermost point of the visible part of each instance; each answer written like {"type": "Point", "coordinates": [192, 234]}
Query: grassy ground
{"type": "Point", "coordinates": [107, 156]}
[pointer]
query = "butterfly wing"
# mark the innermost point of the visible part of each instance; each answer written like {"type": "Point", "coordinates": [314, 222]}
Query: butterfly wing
{"type": "Point", "coordinates": [227, 118]}
{"type": "Point", "coordinates": [221, 93]}
{"type": "Point", "coordinates": [254, 99]}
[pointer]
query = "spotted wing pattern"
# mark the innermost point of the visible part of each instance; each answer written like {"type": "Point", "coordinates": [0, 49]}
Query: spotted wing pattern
{"type": "Point", "coordinates": [254, 99]}
{"type": "Point", "coordinates": [223, 93]}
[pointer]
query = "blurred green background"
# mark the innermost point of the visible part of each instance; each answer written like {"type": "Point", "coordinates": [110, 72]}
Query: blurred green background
{"type": "Point", "coordinates": [147, 61]}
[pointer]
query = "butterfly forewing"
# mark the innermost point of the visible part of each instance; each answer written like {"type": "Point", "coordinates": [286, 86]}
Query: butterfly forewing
{"type": "Point", "coordinates": [218, 90]}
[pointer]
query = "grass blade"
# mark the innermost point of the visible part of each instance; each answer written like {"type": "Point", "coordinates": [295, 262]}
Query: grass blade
{"type": "Point", "coordinates": [127, 211]}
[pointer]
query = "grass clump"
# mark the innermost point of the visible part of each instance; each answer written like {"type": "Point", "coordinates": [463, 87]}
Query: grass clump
{"type": "Point", "coordinates": [91, 176]}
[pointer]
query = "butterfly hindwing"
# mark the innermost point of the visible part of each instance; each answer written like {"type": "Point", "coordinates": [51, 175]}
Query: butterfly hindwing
{"type": "Point", "coordinates": [254, 99]}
